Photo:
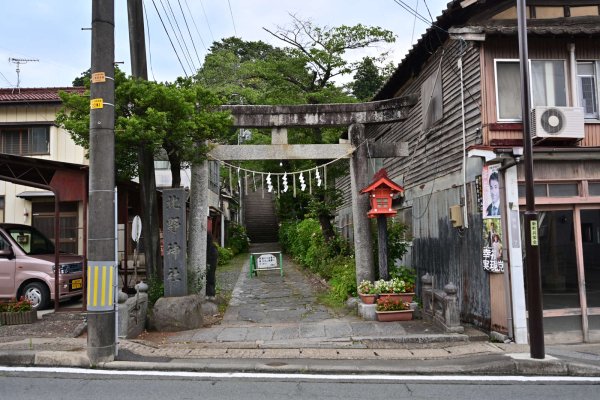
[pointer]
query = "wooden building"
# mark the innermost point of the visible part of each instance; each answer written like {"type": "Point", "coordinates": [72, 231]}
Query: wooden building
{"type": "Point", "coordinates": [463, 180]}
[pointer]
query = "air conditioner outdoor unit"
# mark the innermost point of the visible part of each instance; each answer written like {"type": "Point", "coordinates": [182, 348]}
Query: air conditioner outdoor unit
{"type": "Point", "coordinates": [557, 122]}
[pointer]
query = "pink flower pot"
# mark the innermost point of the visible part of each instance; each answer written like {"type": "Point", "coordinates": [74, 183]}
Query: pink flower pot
{"type": "Point", "coordinates": [400, 315]}
{"type": "Point", "coordinates": [367, 298]}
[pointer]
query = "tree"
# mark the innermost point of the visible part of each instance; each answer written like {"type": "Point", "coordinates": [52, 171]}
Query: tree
{"type": "Point", "coordinates": [302, 72]}
{"type": "Point", "coordinates": [177, 117]}
{"type": "Point", "coordinates": [324, 49]}
{"type": "Point", "coordinates": [367, 80]}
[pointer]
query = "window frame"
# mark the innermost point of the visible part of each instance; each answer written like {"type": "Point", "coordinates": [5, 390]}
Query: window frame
{"type": "Point", "coordinates": [26, 133]}
{"type": "Point", "coordinates": [513, 60]}
{"type": "Point", "coordinates": [596, 76]}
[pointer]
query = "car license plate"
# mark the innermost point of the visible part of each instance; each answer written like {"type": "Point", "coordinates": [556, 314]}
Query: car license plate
{"type": "Point", "coordinates": [76, 284]}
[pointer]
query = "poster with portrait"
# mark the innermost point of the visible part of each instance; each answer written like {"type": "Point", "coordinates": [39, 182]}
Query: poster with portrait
{"type": "Point", "coordinates": [492, 246]}
{"type": "Point", "coordinates": [492, 223]}
{"type": "Point", "coordinates": [491, 191]}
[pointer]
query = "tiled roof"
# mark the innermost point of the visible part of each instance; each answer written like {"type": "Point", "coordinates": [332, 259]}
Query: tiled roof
{"type": "Point", "coordinates": [35, 95]}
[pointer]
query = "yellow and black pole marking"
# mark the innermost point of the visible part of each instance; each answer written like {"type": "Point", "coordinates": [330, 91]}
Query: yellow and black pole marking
{"type": "Point", "coordinates": [101, 280]}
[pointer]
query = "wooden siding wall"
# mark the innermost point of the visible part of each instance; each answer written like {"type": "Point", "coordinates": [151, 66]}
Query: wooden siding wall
{"type": "Point", "coordinates": [507, 48]}
{"type": "Point", "coordinates": [432, 178]}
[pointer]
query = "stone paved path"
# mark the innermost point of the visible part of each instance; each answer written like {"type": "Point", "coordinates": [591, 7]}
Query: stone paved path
{"type": "Point", "coordinates": [274, 311]}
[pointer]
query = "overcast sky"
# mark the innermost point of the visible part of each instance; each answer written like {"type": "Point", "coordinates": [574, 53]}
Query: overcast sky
{"type": "Point", "coordinates": [51, 31]}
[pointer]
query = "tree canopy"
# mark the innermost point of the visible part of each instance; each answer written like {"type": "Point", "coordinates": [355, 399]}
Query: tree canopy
{"type": "Point", "coordinates": [177, 118]}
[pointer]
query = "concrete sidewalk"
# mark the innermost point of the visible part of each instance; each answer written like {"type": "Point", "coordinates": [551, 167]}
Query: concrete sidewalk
{"type": "Point", "coordinates": [276, 324]}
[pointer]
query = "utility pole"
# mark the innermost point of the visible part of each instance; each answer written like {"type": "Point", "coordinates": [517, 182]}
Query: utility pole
{"type": "Point", "coordinates": [101, 343]}
{"type": "Point", "coordinates": [532, 250]}
{"type": "Point", "coordinates": [139, 69]}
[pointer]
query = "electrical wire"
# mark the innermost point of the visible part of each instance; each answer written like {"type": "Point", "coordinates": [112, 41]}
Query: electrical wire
{"type": "Point", "coordinates": [207, 21]}
{"type": "Point", "coordinates": [149, 46]}
{"type": "Point", "coordinates": [186, 52]}
{"type": "Point", "coordinates": [170, 40]}
{"type": "Point", "coordinates": [6, 79]}
{"type": "Point", "coordinates": [419, 16]}
{"type": "Point", "coordinates": [232, 20]}
{"type": "Point", "coordinates": [195, 26]}
{"type": "Point", "coordinates": [412, 36]}
{"type": "Point", "coordinates": [189, 32]}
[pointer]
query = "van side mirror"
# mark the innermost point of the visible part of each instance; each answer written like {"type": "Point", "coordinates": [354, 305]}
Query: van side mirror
{"type": "Point", "coordinates": [7, 253]}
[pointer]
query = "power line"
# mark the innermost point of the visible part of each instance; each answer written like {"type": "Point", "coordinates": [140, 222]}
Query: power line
{"type": "Point", "coordinates": [195, 26]}
{"type": "Point", "coordinates": [169, 36]}
{"type": "Point", "coordinates": [206, 19]}
{"type": "Point", "coordinates": [428, 10]}
{"type": "Point", "coordinates": [232, 20]}
{"type": "Point", "coordinates": [190, 33]}
{"type": "Point", "coordinates": [419, 16]}
{"type": "Point", "coordinates": [9, 82]}
{"type": "Point", "coordinates": [412, 36]}
{"type": "Point", "coordinates": [185, 51]}
{"type": "Point", "coordinates": [149, 47]}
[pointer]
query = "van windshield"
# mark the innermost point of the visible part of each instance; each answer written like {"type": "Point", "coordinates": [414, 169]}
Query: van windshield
{"type": "Point", "coordinates": [30, 240]}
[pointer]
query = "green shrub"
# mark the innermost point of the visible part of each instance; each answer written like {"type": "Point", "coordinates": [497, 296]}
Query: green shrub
{"type": "Point", "coordinates": [343, 282]}
{"type": "Point", "coordinates": [225, 254]}
{"type": "Point", "coordinates": [238, 239]}
{"type": "Point", "coordinates": [156, 289]}
{"type": "Point", "coordinates": [333, 261]}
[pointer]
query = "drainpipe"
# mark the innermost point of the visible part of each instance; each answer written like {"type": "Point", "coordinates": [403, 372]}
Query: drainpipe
{"type": "Point", "coordinates": [573, 68]}
{"type": "Point", "coordinates": [464, 143]}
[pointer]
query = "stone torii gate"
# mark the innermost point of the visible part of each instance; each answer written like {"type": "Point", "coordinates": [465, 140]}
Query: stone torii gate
{"type": "Point", "coordinates": [279, 118]}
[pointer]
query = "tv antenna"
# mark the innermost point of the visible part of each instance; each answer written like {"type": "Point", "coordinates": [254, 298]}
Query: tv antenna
{"type": "Point", "coordinates": [20, 61]}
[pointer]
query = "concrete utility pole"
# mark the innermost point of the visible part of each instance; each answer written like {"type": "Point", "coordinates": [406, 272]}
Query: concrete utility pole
{"type": "Point", "coordinates": [139, 69]}
{"type": "Point", "coordinates": [101, 343]}
{"type": "Point", "coordinates": [532, 250]}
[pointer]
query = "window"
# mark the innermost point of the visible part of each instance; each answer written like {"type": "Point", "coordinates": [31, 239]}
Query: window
{"type": "Point", "coordinates": [431, 99]}
{"type": "Point", "coordinates": [587, 88]}
{"type": "Point", "coordinates": [25, 141]}
{"type": "Point", "coordinates": [548, 86]}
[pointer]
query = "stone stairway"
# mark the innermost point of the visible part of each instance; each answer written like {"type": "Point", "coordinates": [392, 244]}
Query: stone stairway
{"type": "Point", "coordinates": [260, 218]}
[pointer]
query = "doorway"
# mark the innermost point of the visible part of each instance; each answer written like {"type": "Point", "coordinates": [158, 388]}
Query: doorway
{"type": "Point", "coordinates": [569, 240]}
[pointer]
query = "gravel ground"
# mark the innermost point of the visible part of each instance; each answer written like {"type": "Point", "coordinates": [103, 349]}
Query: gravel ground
{"type": "Point", "coordinates": [58, 325]}
{"type": "Point", "coordinates": [68, 324]}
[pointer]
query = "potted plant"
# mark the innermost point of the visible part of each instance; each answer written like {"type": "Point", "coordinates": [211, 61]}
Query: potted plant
{"type": "Point", "coordinates": [408, 276]}
{"type": "Point", "coordinates": [394, 288]}
{"type": "Point", "coordinates": [366, 292]}
{"type": "Point", "coordinates": [391, 309]}
{"type": "Point", "coordinates": [16, 313]}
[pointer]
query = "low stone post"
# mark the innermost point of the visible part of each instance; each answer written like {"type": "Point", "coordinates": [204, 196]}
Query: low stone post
{"type": "Point", "coordinates": [427, 293]}
{"type": "Point", "coordinates": [451, 313]}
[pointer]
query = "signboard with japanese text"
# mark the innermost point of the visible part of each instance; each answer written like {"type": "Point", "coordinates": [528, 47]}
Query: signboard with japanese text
{"type": "Point", "coordinates": [174, 239]}
{"type": "Point", "coordinates": [266, 261]}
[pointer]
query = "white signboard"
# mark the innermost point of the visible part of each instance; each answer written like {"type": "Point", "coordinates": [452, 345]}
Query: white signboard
{"type": "Point", "coordinates": [266, 261]}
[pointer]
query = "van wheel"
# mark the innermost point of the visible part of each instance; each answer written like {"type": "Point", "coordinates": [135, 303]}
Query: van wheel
{"type": "Point", "coordinates": [38, 295]}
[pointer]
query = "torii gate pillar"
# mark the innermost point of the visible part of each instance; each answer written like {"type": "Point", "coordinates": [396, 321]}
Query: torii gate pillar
{"type": "Point", "coordinates": [363, 247]}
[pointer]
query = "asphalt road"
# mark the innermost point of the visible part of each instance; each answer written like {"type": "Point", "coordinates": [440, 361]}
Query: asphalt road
{"type": "Point", "coordinates": [73, 384]}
